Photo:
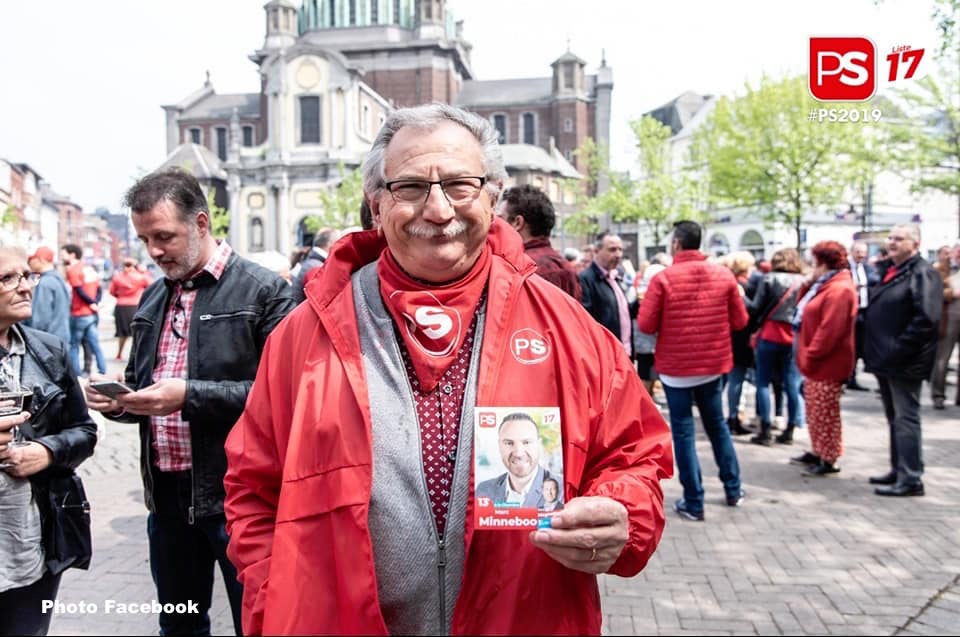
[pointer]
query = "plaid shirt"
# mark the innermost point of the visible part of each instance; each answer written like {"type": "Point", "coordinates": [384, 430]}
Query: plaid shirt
{"type": "Point", "coordinates": [171, 433]}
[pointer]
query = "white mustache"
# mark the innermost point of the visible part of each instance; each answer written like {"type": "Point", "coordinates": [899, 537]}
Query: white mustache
{"type": "Point", "coordinates": [429, 231]}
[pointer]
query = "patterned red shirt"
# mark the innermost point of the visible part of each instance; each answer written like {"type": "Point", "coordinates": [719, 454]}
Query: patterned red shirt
{"type": "Point", "coordinates": [438, 414]}
{"type": "Point", "coordinates": [171, 433]}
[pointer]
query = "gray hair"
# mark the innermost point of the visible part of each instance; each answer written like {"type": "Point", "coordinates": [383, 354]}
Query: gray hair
{"type": "Point", "coordinates": [912, 229]}
{"type": "Point", "coordinates": [428, 117]}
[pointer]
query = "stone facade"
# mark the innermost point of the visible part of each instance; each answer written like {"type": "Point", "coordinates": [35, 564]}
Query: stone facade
{"type": "Point", "coordinates": [350, 63]}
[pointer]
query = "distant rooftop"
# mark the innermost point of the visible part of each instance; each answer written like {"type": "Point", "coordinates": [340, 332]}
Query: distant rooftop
{"type": "Point", "coordinates": [678, 112]}
{"type": "Point", "coordinates": [196, 159]}
{"type": "Point", "coordinates": [221, 107]}
{"type": "Point", "coordinates": [533, 90]}
{"type": "Point", "coordinates": [529, 157]}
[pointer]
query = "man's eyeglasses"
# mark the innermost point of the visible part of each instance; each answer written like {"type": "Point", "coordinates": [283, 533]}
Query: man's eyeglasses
{"type": "Point", "coordinates": [12, 280]}
{"type": "Point", "coordinates": [179, 319]}
{"type": "Point", "coordinates": [457, 190]}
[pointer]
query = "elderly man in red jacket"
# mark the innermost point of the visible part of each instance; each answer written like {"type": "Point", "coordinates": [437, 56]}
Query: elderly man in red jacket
{"type": "Point", "coordinates": [350, 472]}
{"type": "Point", "coordinates": [693, 305]}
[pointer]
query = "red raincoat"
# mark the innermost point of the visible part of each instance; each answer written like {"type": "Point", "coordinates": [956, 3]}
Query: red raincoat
{"type": "Point", "coordinates": [300, 461]}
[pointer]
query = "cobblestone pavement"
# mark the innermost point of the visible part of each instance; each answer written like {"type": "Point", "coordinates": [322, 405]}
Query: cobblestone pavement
{"type": "Point", "coordinates": [801, 556]}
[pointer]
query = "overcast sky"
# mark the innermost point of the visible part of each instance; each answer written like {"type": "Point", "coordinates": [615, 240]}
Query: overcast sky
{"type": "Point", "coordinates": [83, 82]}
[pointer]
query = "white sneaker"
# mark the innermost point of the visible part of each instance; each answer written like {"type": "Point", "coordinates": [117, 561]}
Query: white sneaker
{"type": "Point", "coordinates": [778, 422]}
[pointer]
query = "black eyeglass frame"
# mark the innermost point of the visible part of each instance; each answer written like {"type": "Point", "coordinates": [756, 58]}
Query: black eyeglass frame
{"type": "Point", "coordinates": [430, 184]}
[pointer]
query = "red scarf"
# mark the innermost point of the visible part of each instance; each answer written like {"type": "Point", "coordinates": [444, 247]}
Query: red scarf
{"type": "Point", "coordinates": [432, 320]}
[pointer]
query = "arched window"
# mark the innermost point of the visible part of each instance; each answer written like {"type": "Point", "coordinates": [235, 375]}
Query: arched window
{"type": "Point", "coordinates": [528, 124]}
{"type": "Point", "coordinates": [500, 123]}
{"type": "Point", "coordinates": [256, 234]}
{"type": "Point", "coordinates": [718, 244]}
{"type": "Point", "coordinates": [752, 242]}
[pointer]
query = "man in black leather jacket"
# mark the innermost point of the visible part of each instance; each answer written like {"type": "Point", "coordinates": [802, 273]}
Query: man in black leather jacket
{"type": "Point", "coordinates": [197, 338]}
{"type": "Point", "coordinates": [899, 347]}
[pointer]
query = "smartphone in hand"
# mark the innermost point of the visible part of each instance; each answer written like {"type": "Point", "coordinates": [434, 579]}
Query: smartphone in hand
{"type": "Point", "coordinates": [110, 388]}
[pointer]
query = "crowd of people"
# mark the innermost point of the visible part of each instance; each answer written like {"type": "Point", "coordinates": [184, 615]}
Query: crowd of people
{"type": "Point", "coordinates": [313, 437]}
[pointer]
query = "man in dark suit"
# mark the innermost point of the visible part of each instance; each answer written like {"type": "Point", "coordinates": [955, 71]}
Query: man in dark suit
{"type": "Point", "coordinates": [522, 484]}
{"type": "Point", "coordinates": [899, 347]}
{"type": "Point", "coordinates": [864, 275]}
{"type": "Point", "coordinates": [603, 292]}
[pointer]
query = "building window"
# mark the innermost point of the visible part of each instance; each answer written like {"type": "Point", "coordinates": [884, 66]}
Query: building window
{"type": "Point", "coordinates": [331, 12]}
{"type": "Point", "coordinates": [374, 11]}
{"type": "Point", "coordinates": [248, 136]}
{"type": "Point", "coordinates": [568, 76]}
{"type": "Point", "coordinates": [500, 123]}
{"type": "Point", "coordinates": [396, 11]}
{"type": "Point", "coordinates": [528, 124]}
{"type": "Point", "coordinates": [222, 143]}
{"type": "Point", "coordinates": [567, 125]}
{"type": "Point", "coordinates": [353, 11]}
{"type": "Point", "coordinates": [256, 234]}
{"type": "Point", "coordinates": [569, 155]}
{"type": "Point", "coordinates": [195, 136]}
{"type": "Point", "coordinates": [310, 119]}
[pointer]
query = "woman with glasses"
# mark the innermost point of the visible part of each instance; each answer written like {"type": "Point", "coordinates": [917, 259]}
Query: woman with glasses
{"type": "Point", "coordinates": [45, 433]}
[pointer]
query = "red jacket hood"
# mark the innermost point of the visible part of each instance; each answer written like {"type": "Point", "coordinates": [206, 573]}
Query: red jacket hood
{"type": "Point", "coordinates": [357, 249]}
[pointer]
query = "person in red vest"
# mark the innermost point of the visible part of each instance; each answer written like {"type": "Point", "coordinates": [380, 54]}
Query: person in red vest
{"type": "Point", "coordinates": [127, 287]}
{"type": "Point", "coordinates": [349, 475]}
{"type": "Point", "coordinates": [692, 306]}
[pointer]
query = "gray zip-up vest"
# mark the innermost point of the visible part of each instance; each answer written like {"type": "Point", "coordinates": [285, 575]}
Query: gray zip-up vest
{"type": "Point", "coordinates": [418, 574]}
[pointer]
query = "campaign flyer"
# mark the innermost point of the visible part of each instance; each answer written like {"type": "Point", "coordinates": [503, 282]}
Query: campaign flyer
{"type": "Point", "coordinates": [518, 467]}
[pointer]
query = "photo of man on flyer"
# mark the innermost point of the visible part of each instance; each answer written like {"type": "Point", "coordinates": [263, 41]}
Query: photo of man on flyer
{"type": "Point", "coordinates": [521, 451]}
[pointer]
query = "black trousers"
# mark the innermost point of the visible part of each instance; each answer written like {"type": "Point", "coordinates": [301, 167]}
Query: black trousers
{"type": "Point", "coordinates": [20, 608]}
{"type": "Point", "coordinates": [183, 555]}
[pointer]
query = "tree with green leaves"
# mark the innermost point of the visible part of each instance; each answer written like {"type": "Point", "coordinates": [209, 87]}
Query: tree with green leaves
{"type": "Point", "coordinates": [341, 204]}
{"type": "Point", "coordinates": [662, 193]}
{"type": "Point", "coordinates": [584, 222]}
{"type": "Point", "coordinates": [659, 196]}
{"type": "Point", "coordinates": [760, 152]}
{"type": "Point", "coordinates": [928, 140]}
{"type": "Point", "coordinates": [219, 217]}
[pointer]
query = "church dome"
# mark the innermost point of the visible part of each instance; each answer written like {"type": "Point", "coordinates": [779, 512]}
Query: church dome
{"type": "Point", "coordinates": [332, 14]}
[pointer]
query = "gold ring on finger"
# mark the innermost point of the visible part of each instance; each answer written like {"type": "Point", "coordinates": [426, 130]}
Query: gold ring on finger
{"type": "Point", "coordinates": [593, 555]}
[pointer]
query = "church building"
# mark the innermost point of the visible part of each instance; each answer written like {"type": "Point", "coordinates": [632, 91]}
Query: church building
{"type": "Point", "coordinates": [330, 72]}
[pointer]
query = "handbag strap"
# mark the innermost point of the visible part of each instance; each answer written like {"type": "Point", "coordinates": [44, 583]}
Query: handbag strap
{"type": "Point", "coordinates": [783, 298]}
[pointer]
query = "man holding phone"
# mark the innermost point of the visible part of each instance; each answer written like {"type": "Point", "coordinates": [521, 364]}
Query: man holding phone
{"type": "Point", "coordinates": [197, 338]}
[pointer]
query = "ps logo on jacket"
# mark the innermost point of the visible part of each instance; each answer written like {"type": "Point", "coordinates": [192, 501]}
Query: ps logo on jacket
{"type": "Point", "coordinates": [529, 347]}
{"type": "Point", "coordinates": [434, 327]}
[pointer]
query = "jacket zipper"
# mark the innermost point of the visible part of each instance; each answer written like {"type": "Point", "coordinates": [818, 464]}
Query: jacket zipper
{"type": "Point", "coordinates": [209, 317]}
{"type": "Point", "coordinates": [441, 581]}
{"type": "Point", "coordinates": [441, 545]}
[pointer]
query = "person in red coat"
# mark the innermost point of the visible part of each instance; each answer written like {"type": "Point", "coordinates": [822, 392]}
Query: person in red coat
{"type": "Point", "coordinates": [693, 306]}
{"type": "Point", "coordinates": [825, 318]}
{"type": "Point", "coordinates": [350, 494]}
